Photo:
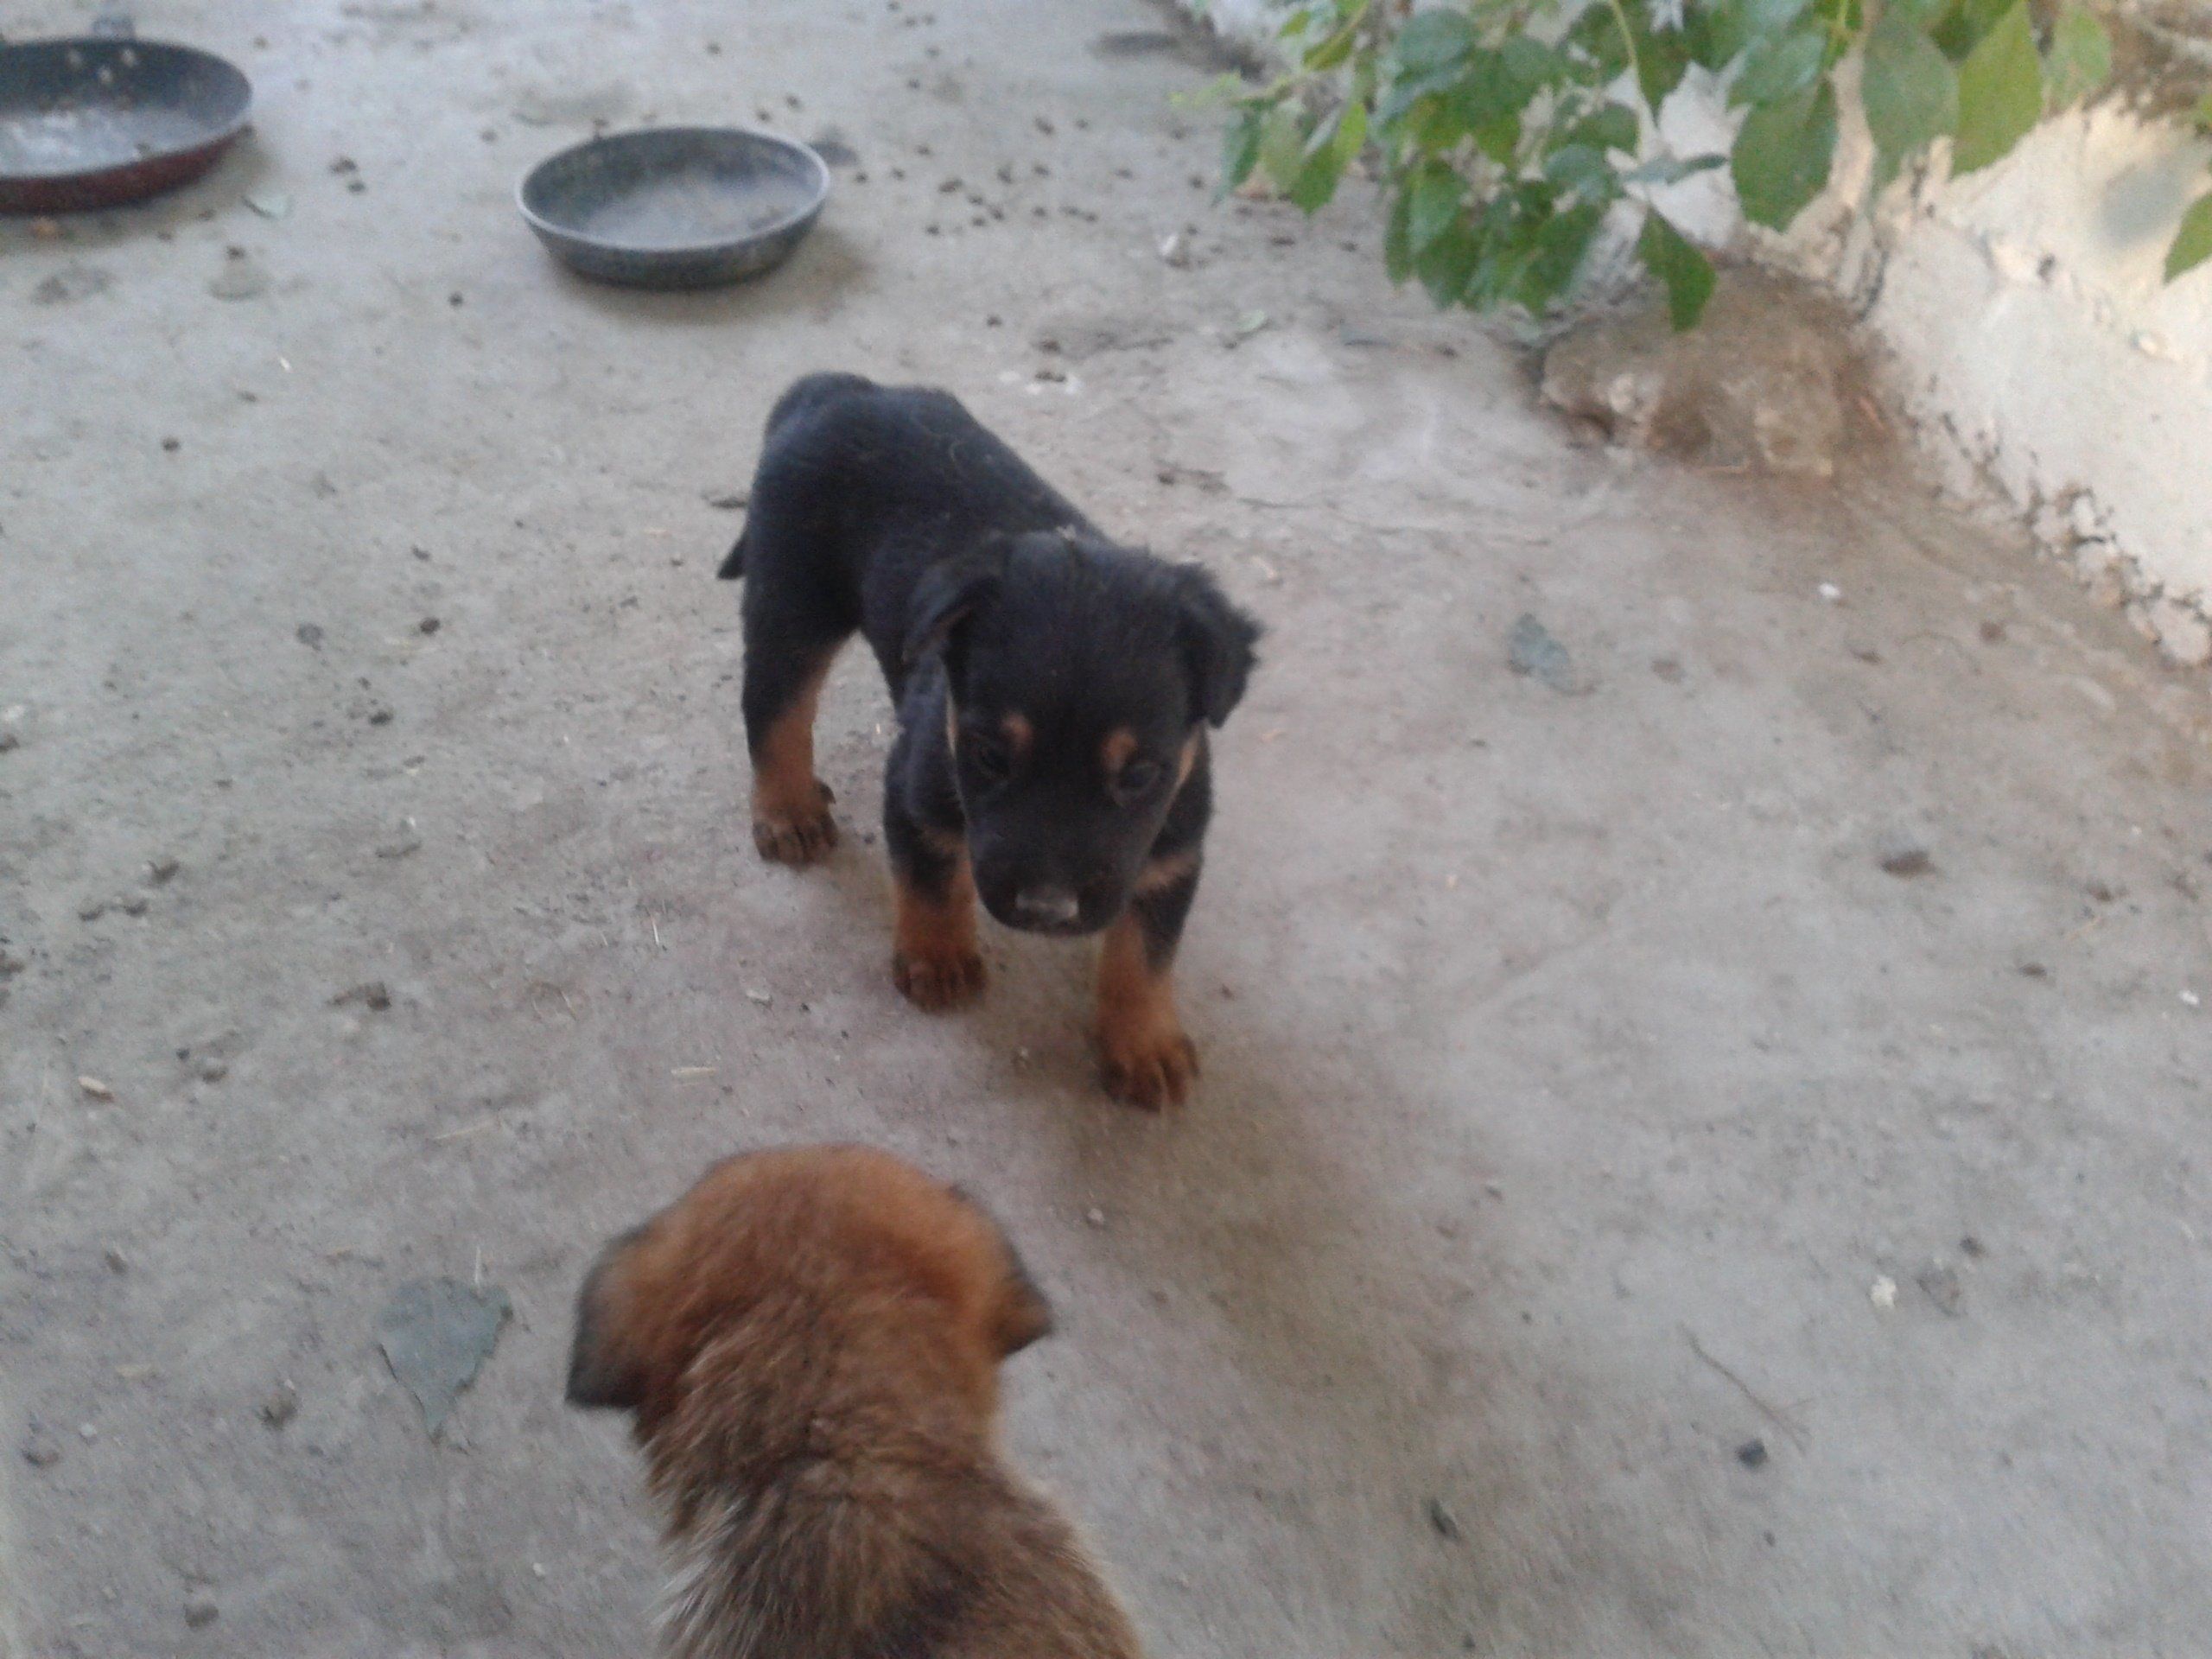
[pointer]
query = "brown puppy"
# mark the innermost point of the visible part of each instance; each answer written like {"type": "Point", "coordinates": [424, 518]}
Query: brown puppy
{"type": "Point", "coordinates": [810, 1342]}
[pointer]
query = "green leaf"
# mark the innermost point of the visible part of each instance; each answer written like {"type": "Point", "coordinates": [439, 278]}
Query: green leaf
{"type": "Point", "coordinates": [1661, 57]}
{"type": "Point", "coordinates": [1498, 139]}
{"type": "Point", "coordinates": [1435, 195]}
{"type": "Point", "coordinates": [1765, 18]}
{"type": "Point", "coordinates": [1490, 90]}
{"type": "Point", "coordinates": [1446, 266]}
{"type": "Point", "coordinates": [2000, 92]}
{"type": "Point", "coordinates": [1716, 34]}
{"type": "Point", "coordinates": [1960, 25]}
{"type": "Point", "coordinates": [2200, 117]}
{"type": "Point", "coordinates": [1240, 147]}
{"type": "Point", "coordinates": [2080, 59]}
{"type": "Point", "coordinates": [1432, 39]}
{"type": "Point", "coordinates": [1560, 246]}
{"type": "Point", "coordinates": [1667, 170]}
{"type": "Point", "coordinates": [1678, 264]}
{"type": "Point", "coordinates": [1909, 91]}
{"type": "Point", "coordinates": [1582, 170]}
{"type": "Point", "coordinates": [1782, 154]}
{"type": "Point", "coordinates": [1282, 146]}
{"type": "Point", "coordinates": [1328, 153]}
{"type": "Point", "coordinates": [1531, 63]}
{"type": "Point", "coordinates": [1601, 49]}
{"type": "Point", "coordinates": [2192, 244]}
{"type": "Point", "coordinates": [1397, 241]}
{"type": "Point", "coordinates": [1612, 127]}
{"type": "Point", "coordinates": [1775, 68]}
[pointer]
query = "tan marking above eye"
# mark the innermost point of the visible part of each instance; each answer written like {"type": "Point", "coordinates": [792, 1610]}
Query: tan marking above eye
{"type": "Point", "coordinates": [1019, 734]}
{"type": "Point", "coordinates": [1115, 753]}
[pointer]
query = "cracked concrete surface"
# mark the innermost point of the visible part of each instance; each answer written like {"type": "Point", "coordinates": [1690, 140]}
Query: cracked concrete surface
{"type": "Point", "coordinates": [1579, 1082]}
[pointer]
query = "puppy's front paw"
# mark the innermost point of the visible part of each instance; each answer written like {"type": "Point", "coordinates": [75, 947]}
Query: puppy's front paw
{"type": "Point", "coordinates": [795, 833]}
{"type": "Point", "coordinates": [1148, 1062]}
{"type": "Point", "coordinates": [934, 981]}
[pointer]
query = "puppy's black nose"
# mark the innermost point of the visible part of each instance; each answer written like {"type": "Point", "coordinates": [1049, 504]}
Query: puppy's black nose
{"type": "Point", "coordinates": [1046, 907]}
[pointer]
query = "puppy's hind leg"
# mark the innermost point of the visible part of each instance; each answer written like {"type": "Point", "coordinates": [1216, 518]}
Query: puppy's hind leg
{"type": "Point", "coordinates": [790, 806]}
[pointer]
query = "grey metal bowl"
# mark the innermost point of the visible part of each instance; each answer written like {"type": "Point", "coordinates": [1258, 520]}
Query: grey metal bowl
{"type": "Point", "coordinates": [675, 206]}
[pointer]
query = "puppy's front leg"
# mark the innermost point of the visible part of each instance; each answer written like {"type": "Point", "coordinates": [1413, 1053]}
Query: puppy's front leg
{"type": "Point", "coordinates": [1146, 1059]}
{"type": "Point", "coordinates": [933, 957]}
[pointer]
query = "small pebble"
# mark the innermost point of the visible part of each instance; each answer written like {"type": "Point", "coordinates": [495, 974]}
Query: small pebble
{"type": "Point", "coordinates": [1751, 1453]}
{"type": "Point", "coordinates": [116, 1260]}
{"type": "Point", "coordinates": [170, 446]}
{"type": "Point", "coordinates": [428, 625]}
{"type": "Point", "coordinates": [91, 910]}
{"type": "Point", "coordinates": [309, 635]}
{"type": "Point", "coordinates": [161, 871]}
{"type": "Point", "coordinates": [1442, 1518]}
{"type": "Point", "coordinates": [282, 1406]}
{"type": "Point", "coordinates": [93, 1089]}
{"type": "Point", "coordinates": [213, 1071]}
{"type": "Point", "coordinates": [200, 1611]}
{"type": "Point", "coordinates": [1095, 1216]}
{"type": "Point", "coordinates": [1883, 1293]}
{"type": "Point", "coordinates": [41, 1449]}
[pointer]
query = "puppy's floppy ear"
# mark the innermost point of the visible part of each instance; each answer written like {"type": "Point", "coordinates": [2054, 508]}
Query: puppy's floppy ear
{"type": "Point", "coordinates": [1024, 1315]}
{"type": "Point", "coordinates": [1019, 1313]}
{"type": "Point", "coordinates": [949, 593]}
{"type": "Point", "coordinates": [1218, 644]}
{"type": "Point", "coordinates": [605, 1368]}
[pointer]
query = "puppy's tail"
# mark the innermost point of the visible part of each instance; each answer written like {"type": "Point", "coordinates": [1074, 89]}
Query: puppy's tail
{"type": "Point", "coordinates": [733, 566]}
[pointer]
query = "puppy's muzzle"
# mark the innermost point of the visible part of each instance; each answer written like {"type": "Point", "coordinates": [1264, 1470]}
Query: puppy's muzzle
{"type": "Point", "coordinates": [1047, 909]}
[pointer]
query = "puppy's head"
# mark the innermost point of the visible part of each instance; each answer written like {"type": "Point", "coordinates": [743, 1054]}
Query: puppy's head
{"type": "Point", "coordinates": [1082, 678]}
{"type": "Point", "coordinates": [830, 1239]}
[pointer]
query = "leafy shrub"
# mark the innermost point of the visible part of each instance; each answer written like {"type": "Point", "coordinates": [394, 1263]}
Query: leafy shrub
{"type": "Point", "coordinates": [1510, 130]}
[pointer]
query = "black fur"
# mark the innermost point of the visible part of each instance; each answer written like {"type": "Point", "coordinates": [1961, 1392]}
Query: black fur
{"type": "Point", "coordinates": [984, 593]}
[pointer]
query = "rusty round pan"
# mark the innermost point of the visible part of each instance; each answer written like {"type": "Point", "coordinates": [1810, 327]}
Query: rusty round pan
{"type": "Point", "coordinates": [93, 121]}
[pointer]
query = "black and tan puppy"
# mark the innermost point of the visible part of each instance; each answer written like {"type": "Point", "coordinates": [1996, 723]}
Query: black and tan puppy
{"type": "Point", "coordinates": [1054, 690]}
{"type": "Point", "coordinates": [809, 1341]}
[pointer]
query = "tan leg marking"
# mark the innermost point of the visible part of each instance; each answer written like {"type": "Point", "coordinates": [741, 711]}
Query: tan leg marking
{"type": "Point", "coordinates": [933, 955]}
{"type": "Point", "coordinates": [790, 806]}
{"type": "Point", "coordinates": [1146, 1059]}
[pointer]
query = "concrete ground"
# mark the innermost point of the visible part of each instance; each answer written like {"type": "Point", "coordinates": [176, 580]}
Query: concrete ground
{"type": "Point", "coordinates": [1584, 1100]}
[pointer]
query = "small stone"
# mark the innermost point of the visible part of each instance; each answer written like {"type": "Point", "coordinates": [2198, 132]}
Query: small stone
{"type": "Point", "coordinates": [1751, 1453]}
{"type": "Point", "coordinates": [213, 1071]}
{"type": "Point", "coordinates": [116, 1260]}
{"type": "Point", "coordinates": [42, 1450]}
{"type": "Point", "coordinates": [1442, 1518]}
{"type": "Point", "coordinates": [93, 1089]}
{"type": "Point", "coordinates": [200, 1611]}
{"type": "Point", "coordinates": [132, 903]}
{"type": "Point", "coordinates": [1883, 1293]}
{"type": "Point", "coordinates": [2081, 515]}
{"type": "Point", "coordinates": [1175, 251]}
{"type": "Point", "coordinates": [1940, 1284]}
{"type": "Point", "coordinates": [281, 1405]}
{"type": "Point", "coordinates": [373, 994]}
{"type": "Point", "coordinates": [1973, 1247]}
{"type": "Point", "coordinates": [88, 1432]}
{"type": "Point", "coordinates": [1993, 633]}
{"type": "Point", "coordinates": [170, 446]}
{"type": "Point", "coordinates": [10, 741]}
{"type": "Point", "coordinates": [1905, 861]}
{"type": "Point", "coordinates": [1095, 1216]}
{"type": "Point", "coordinates": [309, 635]}
{"type": "Point", "coordinates": [91, 910]}
{"type": "Point", "coordinates": [160, 872]}
{"type": "Point", "coordinates": [428, 625]}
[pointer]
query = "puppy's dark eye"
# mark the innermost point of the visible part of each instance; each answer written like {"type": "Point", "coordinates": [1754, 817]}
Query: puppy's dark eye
{"type": "Point", "coordinates": [1137, 779]}
{"type": "Point", "coordinates": [987, 757]}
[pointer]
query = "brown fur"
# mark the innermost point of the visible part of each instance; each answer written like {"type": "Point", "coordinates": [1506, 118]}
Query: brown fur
{"type": "Point", "coordinates": [792, 822]}
{"type": "Point", "coordinates": [809, 1343]}
{"type": "Point", "coordinates": [1146, 1059]}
